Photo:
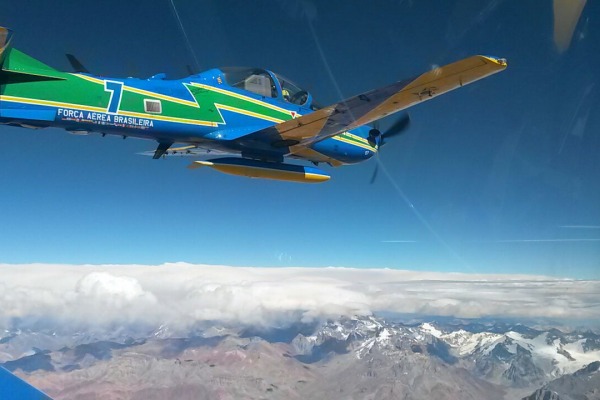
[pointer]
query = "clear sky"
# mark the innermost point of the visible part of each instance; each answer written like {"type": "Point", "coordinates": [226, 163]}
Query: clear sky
{"type": "Point", "coordinates": [501, 176]}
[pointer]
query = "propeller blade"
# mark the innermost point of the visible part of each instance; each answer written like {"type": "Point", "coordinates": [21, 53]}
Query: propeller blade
{"type": "Point", "coordinates": [375, 171]}
{"type": "Point", "coordinates": [375, 124]}
{"type": "Point", "coordinates": [76, 65]}
{"type": "Point", "coordinates": [379, 138]}
{"type": "Point", "coordinates": [398, 127]}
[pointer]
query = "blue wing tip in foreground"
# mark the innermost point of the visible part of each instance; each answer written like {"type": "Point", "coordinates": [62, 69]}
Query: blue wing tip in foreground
{"type": "Point", "coordinates": [14, 388]}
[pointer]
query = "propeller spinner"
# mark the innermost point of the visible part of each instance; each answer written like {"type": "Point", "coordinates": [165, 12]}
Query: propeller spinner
{"type": "Point", "coordinates": [376, 137]}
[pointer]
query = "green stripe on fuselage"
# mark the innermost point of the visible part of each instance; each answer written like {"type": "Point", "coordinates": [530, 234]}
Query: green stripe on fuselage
{"type": "Point", "coordinates": [79, 90]}
{"type": "Point", "coordinates": [206, 94]}
{"type": "Point", "coordinates": [83, 90]}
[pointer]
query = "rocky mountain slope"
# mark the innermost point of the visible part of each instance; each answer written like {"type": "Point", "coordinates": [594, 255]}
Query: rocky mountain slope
{"type": "Point", "coordinates": [583, 384]}
{"type": "Point", "coordinates": [353, 358]}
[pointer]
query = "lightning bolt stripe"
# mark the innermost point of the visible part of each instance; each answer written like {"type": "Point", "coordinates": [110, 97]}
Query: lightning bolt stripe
{"type": "Point", "coordinates": [195, 102]}
{"type": "Point", "coordinates": [245, 98]}
{"type": "Point", "coordinates": [246, 112]}
{"type": "Point", "coordinates": [144, 92]}
{"type": "Point", "coordinates": [24, 100]}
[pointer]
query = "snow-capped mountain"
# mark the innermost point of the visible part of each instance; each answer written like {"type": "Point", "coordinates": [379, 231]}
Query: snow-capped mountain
{"type": "Point", "coordinates": [519, 355]}
{"type": "Point", "coordinates": [582, 384]}
{"type": "Point", "coordinates": [514, 356]}
{"type": "Point", "coordinates": [361, 336]}
{"type": "Point", "coordinates": [553, 351]}
{"type": "Point", "coordinates": [365, 357]}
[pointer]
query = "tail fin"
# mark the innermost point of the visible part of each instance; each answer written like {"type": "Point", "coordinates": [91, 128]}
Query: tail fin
{"type": "Point", "coordinates": [14, 388]}
{"type": "Point", "coordinates": [18, 67]}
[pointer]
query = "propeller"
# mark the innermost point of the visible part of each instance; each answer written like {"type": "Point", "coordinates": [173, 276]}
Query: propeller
{"type": "Point", "coordinates": [398, 127]}
{"type": "Point", "coordinates": [375, 171]}
{"type": "Point", "coordinates": [378, 138]}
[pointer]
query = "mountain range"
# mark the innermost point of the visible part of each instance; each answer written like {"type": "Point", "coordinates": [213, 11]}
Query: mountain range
{"type": "Point", "coordinates": [345, 358]}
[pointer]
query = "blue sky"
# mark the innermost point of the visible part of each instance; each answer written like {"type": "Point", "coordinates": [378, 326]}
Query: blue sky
{"type": "Point", "coordinates": [502, 175]}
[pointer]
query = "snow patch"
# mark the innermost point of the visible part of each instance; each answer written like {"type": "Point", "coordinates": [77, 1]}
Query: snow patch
{"type": "Point", "coordinates": [432, 330]}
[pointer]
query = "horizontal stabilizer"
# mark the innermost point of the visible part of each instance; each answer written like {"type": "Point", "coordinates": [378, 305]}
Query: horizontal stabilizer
{"type": "Point", "coordinates": [18, 67]}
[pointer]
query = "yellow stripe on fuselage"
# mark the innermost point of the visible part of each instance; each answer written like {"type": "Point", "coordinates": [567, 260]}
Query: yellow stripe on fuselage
{"type": "Point", "coordinates": [195, 103]}
{"type": "Point", "coordinates": [353, 136]}
{"type": "Point", "coordinates": [190, 103]}
{"type": "Point", "coordinates": [345, 140]}
{"type": "Point", "coordinates": [25, 100]}
{"type": "Point", "coordinates": [246, 112]}
{"type": "Point", "coordinates": [144, 92]}
{"type": "Point", "coordinates": [168, 119]}
{"type": "Point", "coordinates": [242, 97]}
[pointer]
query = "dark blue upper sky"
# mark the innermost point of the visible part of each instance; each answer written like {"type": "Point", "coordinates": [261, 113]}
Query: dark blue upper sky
{"type": "Point", "coordinates": [500, 176]}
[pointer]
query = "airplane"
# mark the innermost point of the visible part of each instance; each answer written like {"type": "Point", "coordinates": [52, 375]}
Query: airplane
{"type": "Point", "coordinates": [251, 119]}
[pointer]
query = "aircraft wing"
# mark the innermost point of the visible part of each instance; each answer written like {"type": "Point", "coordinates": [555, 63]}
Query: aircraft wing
{"type": "Point", "coordinates": [14, 388]}
{"type": "Point", "coordinates": [301, 132]}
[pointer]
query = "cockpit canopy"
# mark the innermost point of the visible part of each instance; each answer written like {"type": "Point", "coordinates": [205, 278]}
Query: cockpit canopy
{"type": "Point", "coordinates": [268, 84]}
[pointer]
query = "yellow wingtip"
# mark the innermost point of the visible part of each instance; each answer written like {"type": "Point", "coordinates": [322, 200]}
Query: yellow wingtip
{"type": "Point", "coordinates": [496, 60]}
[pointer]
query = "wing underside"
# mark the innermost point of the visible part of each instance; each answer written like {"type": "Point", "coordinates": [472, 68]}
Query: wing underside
{"type": "Point", "coordinates": [299, 133]}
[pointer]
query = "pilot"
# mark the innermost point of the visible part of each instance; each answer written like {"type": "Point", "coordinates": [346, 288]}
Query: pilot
{"type": "Point", "coordinates": [286, 94]}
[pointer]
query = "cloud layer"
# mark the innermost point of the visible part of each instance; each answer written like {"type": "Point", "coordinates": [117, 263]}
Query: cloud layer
{"type": "Point", "coordinates": [181, 295]}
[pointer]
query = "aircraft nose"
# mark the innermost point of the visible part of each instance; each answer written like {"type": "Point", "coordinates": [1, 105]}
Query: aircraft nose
{"type": "Point", "coordinates": [370, 153]}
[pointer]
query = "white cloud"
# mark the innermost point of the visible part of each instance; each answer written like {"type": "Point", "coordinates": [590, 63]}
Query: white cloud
{"type": "Point", "coordinates": [114, 291]}
{"type": "Point", "coordinates": [181, 295]}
